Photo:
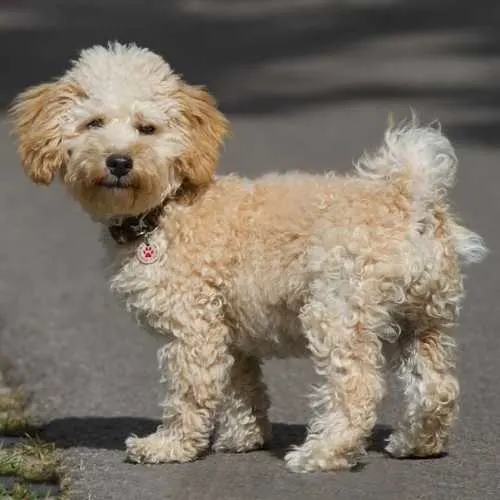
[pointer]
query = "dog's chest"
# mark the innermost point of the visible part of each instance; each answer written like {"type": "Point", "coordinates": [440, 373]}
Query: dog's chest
{"type": "Point", "coordinates": [136, 282]}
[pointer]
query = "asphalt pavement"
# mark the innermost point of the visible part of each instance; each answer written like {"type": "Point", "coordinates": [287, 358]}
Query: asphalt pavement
{"type": "Point", "coordinates": [307, 85]}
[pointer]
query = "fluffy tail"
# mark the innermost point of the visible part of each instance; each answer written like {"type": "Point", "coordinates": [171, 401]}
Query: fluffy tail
{"type": "Point", "coordinates": [420, 160]}
{"type": "Point", "coordinates": [422, 163]}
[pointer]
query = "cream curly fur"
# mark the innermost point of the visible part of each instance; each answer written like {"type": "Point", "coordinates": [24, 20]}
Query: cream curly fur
{"type": "Point", "coordinates": [351, 271]}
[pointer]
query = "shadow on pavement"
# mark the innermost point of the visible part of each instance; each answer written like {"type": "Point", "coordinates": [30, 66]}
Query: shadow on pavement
{"type": "Point", "coordinates": [110, 433]}
{"type": "Point", "coordinates": [96, 432]}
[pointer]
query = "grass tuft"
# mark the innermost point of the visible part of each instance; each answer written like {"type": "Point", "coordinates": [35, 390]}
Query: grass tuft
{"type": "Point", "coordinates": [14, 421]}
{"type": "Point", "coordinates": [12, 400]}
{"type": "Point", "coordinates": [17, 492]}
{"type": "Point", "coordinates": [32, 460]}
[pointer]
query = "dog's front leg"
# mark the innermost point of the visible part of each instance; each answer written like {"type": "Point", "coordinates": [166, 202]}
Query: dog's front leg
{"type": "Point", "coordinates": [196, 370]}
{"type": "Point", "coordinates": [243, 424]}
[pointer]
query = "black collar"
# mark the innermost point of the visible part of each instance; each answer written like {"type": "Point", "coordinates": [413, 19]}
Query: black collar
{"type": "Point", "coordinates": [131, 229]}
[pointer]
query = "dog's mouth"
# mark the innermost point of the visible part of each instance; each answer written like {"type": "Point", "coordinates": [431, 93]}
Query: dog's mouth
{"type": "Point", "coordinates": [113, 183]}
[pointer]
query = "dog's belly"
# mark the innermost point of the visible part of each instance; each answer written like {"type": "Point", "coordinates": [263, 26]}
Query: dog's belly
{"type": "Point", "coordinates": [268, 332]}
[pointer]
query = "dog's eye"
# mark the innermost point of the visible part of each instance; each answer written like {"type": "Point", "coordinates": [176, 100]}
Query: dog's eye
{"type": "Point", "coordinates": [95, 123]}
{"type": "Point", "coordinates": [146, 129]}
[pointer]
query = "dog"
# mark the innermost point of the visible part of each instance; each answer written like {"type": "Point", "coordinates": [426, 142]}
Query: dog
{"type": "Point", "coordinates": [355, 272]}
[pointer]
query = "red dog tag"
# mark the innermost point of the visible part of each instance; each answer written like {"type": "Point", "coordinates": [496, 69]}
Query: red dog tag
{"type": "Point", "coordinates": [147, 252]}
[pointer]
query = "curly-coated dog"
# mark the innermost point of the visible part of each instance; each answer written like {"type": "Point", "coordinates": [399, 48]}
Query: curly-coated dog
{"type": "Point", "coordinates": [354, 272]}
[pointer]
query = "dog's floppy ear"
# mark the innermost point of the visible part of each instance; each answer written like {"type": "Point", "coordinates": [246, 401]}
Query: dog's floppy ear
{"type": "Point", "coordinates": [38, 113]}
{"type": "Point", "coordinates": [207, 127]}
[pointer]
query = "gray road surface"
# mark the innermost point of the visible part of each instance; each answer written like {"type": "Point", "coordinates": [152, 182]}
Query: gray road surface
{"type": "Point", "coordinates": [306, 84]}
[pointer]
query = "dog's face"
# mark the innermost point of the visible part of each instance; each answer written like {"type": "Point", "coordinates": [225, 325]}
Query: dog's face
{"type": "Point", "coordinates": [122, 130]}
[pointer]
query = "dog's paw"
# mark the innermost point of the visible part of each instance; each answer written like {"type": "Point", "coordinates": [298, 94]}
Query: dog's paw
{"type": "Point", "coordinates": [158, 448]}
{"type": "Point", "coordinates": [231, 445]}
{"type": "Point", "coordinates": [399, 445]}
{"type": "Point", "coordinates": [302, 459]}
{"type": "Point", "coordinates": [243, 438]}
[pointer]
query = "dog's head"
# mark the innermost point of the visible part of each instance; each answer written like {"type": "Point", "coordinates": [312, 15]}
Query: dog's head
{"type": "Point", "coordinates": [121, 129]}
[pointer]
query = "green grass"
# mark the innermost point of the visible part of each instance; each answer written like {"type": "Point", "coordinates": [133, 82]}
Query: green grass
{"type": "Point", "coordinates": [14, 421]}
{"type": "Point", "coordinates": [12, 400]}
{"type": "Point", "coordinates": [31, 460]}
{"type": "Point", "coordinates": [17, 492]}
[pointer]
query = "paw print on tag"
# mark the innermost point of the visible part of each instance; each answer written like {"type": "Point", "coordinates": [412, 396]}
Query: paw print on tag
{"type": "Point", "coordinates": [147, 253]}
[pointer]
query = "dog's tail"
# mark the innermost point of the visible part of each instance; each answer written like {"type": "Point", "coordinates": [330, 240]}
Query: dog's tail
{"type": "Point", "coordinates": [422, 163]}
{"type": "Point", "coordinates": [420, 160]}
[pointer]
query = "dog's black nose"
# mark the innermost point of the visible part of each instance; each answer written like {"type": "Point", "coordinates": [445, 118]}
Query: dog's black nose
{"type": "Point", "coordinates": [119, 165]}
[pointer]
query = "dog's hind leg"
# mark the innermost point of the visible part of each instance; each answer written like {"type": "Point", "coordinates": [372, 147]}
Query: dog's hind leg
{"type": "Point", "coordinates": [242, 420]}
{"type": "Point", "coordinates": [346, 351]}
{"type": "Point", "coordinates": [426, 369]}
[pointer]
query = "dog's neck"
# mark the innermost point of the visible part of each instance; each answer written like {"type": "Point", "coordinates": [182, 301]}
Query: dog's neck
{"type": "Point", "coordinates": [133, 228]}
{"type": "Point", "coordinates": [130, 229]}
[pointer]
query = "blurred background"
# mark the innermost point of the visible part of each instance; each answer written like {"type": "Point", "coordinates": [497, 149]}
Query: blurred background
{"type": "Point", "coordinates": [306, 84]}
{"type": "Point", "coordinates": [270, 57]}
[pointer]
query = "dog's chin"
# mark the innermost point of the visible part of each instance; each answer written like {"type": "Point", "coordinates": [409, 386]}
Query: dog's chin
{"type": "Point", "coordinates": [109, 198]}
{"type": "Point", "coordinates": [116, 193]}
